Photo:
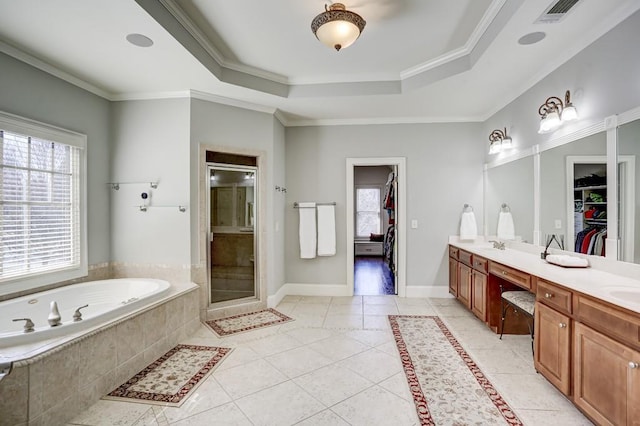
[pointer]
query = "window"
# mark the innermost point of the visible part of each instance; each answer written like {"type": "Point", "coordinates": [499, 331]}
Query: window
{"type": "Point", "coordinates": [42, 238]}
{"type": "Point", "coordinates": [367, 211]}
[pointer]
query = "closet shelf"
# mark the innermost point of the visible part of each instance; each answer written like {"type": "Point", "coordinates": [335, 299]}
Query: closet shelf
{"type": "Point", "coordinates": [116, 185]}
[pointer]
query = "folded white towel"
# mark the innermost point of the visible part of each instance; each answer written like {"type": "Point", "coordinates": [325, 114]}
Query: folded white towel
{"type": "Point", "coordinates": [326, 231]}
{"type": "Point", "coordinates": [468, 226]}
{"type": "Point", "coordinates": [307, 230]}
{"type": "Point", "coordinates": [567, 261]}
{"type": "Point", "coordinates": [506, 229]}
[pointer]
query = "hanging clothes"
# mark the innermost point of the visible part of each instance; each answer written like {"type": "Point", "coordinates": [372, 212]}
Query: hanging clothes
{"type": "Point", "coordinates": [389, 198]}
{"type": "Point", "coordinates": [389, 246]}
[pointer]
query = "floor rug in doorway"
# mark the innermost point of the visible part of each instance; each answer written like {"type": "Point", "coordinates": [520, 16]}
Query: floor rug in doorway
{"type": "Point", "coordinates": [171, 378]}
{"type": "Point", "coordinates": [246, 322]}
{"type": "Point", "coordinates": [446, 384]}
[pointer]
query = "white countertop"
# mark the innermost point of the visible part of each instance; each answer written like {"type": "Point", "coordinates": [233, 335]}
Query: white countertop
{"type": "Point", "coordinates": [591, 281]}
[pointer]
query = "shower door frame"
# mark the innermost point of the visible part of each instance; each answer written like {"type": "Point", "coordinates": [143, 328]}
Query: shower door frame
{"type": "Point", "coordinates": [256, 188]}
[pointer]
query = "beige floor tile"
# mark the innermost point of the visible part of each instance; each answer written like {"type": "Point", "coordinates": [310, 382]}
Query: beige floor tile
{"type": "Point", "coordinates": [398, 385]}
{"type": "Point", "coordinates": [379, 300]}
{"type": "Point", "coordinates": [380, 309]}
{"type": "Point", "coordinates": [315, 299]}
{"type": "Point", "coordinates": [338, 347]}
{"type": "Point", "coordinates": [310, 335]}
{"type": "Point", "coordinates": [570, 416]}
{"type": "Point", "coordinates": [274, 344]}
{"type": "Point", "coordinates": [372, 338]}
{"type": "Point", "coordinates": [529, 391]}
{"type": "Point", "coordinates": [310, 309]}
{"type": "Point", "coordinates": [207, 396]}
{"type": "Point", "coordinates": [343, 322]}
{"type": "Point", "coordinates": [108, 413]}
{"type": "Point", "coordinates": [299, 361]}
{"type": "Point", "coordinates": [283, 404]}
{"type": "Point", "coordinates": [416, 310]}
{"type": "Point", "coordinates": [249, 378]}
{"type": "Point", "coordinates": [376, 406]}
{"type": "Point", "coordinates": [238, 356]}
{"type": "Point", "coordinates": [373, 365]}
{"type": "Point", "coordinates": [332, 384]}
{"type": "Point", "coordinates": [376, 322]}
{"type": "Point", "coordinates": [344, 309]}
{"type": "Point", "coordinates": [225, 415]}
{"type": "Point", "coordinates": [501, 361]}
{"type": "Point", "coordinates": [324, 418]}
{"type": "Point", "coordinates": [355, 300]}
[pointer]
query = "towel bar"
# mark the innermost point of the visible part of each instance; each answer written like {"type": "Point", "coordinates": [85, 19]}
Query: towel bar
{"type": "Point", "coordinates": [296, 206]}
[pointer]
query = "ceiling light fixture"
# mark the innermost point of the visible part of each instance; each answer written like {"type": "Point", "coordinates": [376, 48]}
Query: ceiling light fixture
{"type": "Point", "coordinates": [499, 141]}
{"type": "Point", "coordinates": [337, 27]}
{"type": "Point", "coordinates": [553, 112]}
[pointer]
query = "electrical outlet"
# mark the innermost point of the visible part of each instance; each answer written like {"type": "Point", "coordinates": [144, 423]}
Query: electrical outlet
{"type": "Point", "coordinates": [558, 224]}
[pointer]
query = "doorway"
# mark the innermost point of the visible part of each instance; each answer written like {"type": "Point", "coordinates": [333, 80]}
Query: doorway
{"type": "Point", "coordinates": [232, 237]}
{"type": "Point", "coordinates": [376, 261]}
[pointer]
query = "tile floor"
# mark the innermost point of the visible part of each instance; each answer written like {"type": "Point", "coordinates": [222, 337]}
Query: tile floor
{"type": "Point", "coordinates": [337, 364]}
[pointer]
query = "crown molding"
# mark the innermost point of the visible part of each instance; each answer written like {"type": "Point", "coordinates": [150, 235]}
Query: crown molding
{"type": "Point", "coordinates": [380, 120]}
{"type": "Point", "coordinates": [203, 96]}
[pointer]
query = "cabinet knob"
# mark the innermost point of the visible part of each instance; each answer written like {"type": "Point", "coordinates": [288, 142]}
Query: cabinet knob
{"type": "Point", "coordinates": [562, 325]}
{"type": "Point", "coordinates": [548, 295]}
{"type": "Point", "coordinates": [633, 364]}
{"type": "Point", "coordinates": [505, 273]}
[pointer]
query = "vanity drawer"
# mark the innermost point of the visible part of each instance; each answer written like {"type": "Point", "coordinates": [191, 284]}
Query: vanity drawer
{"type": "Point", "coordinates": [465, 257]}
{"type": "Point", "coordinates": [519, 278]}
{"type": "Point", "coordinates": [480, 264]}
{"type": "Point", "coordinates": [554, 296]}
{"type": "Point", "coordinates": [453, 252]}
{"type": "Point", "coordinates": [609, 320]}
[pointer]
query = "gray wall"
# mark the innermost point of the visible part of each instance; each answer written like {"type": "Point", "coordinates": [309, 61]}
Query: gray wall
{"type": "Point", "coordinates": [31, 93]}
{"type": "Point", "coordinates": [150, 143]}
{"type": "Point", "coordinates": [444, 171]}
{"type": "Point", "coordinates": [602, 79]}
{"type": "Point", "coordinates": [238, 129]}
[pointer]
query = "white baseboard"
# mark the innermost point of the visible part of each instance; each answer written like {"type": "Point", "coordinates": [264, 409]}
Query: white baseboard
{"type": "Point", "coordinates": [339, 290]}
{"type": "Point", "coordinates": [293, 289]}
{"type": "Point", "coordinates": [428, 291]}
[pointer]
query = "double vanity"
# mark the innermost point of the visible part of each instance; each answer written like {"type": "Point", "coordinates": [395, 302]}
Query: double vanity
{"type": "Point", "coordinates": [587, 322]}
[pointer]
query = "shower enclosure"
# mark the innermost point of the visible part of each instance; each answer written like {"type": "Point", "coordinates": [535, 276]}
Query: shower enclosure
{"type": "Point", "coordinates": [232, 226]}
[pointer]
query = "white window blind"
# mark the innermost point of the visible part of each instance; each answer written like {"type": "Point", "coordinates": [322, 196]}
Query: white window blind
{"type": "Point", "coordinates": [40, 217]}
{"type": "Point", "coordinates": [367, 211]}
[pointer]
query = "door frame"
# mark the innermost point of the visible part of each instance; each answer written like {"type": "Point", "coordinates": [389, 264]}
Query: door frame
{"type": "Point", "coordinates": [401, 222]}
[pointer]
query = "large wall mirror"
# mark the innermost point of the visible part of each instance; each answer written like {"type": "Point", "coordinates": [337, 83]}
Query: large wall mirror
{"type": "Point", "coordinates": [629, 191]}
{"type": "Point", "coordinates": [511, 184]}
{"type": "Point", "coordinates": [573, 193]}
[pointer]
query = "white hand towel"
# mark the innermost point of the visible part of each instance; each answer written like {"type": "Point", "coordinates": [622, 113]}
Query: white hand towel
{"type": "Point", "coordinates": [468, 226]}
{"type": "Point", "coordinates": [506, 229]}
{"type": "Point", "coordinates": [307, 230]}
{"type": "Point", "coordinates": [326, 231]}
{"type": "Point", "coordinates": [567, 261]}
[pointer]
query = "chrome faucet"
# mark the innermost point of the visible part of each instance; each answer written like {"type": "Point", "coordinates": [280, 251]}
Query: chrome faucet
{"type": "Point", "coordinates": [28, 325]}
{"type": "Point", "coordinates": [77, 316]}
{"type": "Point", "coordinates": [497, 244]}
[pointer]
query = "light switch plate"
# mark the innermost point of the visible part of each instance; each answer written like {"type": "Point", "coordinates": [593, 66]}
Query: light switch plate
{"type": "Point", "coordinates": [414, 224]}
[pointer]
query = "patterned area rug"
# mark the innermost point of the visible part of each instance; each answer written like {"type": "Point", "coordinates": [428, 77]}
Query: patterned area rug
{"type": "Point", "coordinates": [170, 379]}
{"type": "Point", "coordinates": [246, 322]}
{"type": "Point", "coordinates": [447, 385]}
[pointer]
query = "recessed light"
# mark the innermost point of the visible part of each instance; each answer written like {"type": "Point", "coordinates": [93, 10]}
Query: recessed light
{"type": "Point", "coordinates": [531, 38]}
{"type": "Point", "coordinates": [139, 40]}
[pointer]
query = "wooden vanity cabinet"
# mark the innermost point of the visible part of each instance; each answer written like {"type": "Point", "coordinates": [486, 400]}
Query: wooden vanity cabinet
{"type": "Point", "coordinates": [464, 284]}
{"type": "Point", "coordinates": [453, 271]}
{"type": "Point", "coordinates": [606, 378]}
{"type": "Point", "coordinates": [552, 343]}
{"type": "Point", "coordinates": [479, 287]}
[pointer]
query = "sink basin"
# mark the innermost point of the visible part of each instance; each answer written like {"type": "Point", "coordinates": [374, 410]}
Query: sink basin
{"type": "Point", "coordinates": [629, 294]}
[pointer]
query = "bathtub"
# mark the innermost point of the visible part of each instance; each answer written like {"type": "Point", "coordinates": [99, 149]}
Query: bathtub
{"type": "Point", "coordinates": [107, 300]}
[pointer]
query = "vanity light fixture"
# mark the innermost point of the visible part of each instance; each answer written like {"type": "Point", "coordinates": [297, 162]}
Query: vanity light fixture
{"type": "Point", "coordinates": [499, 141]}
{"type": "Point", "coordinates": [337, 27]}
{"type": "Point", "coordinates": [553, 112]}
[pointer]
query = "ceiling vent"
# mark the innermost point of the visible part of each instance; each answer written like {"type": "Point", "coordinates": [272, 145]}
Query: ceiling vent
{"type": "Point", "coordinates": [556, 12]}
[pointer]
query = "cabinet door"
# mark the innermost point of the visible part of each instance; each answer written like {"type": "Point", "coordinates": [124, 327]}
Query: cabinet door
{"type": "Point", "coordinates": [606, 378]}
{"type": "Point", "coordinates": [464, 284]}
{"type": "Point", "coordinates": [453, 277]}
{"type": "Point", "coordinates": [479, 295]}
{"type": "Point", "coordinates": [553, 346]}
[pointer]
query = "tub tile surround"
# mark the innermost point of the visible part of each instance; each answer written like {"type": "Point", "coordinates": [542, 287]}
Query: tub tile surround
{"type": "Point", "coordinates": [55, 383]}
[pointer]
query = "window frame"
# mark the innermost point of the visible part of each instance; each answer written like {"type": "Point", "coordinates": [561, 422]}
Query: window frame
{"type": "Point", "coordinates": [35, 129]}
{"type": "Point", "coordinates": [380, 210]}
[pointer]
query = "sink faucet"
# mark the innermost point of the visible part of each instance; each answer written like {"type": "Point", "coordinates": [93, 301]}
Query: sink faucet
{"type": "Point", "coordinates": [497, 244]}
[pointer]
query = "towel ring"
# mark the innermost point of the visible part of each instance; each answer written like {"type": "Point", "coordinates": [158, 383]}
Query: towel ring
{"type": "Point", "coordinates": [468, 208]}
{"type": "Point", "coordinates": [505, 208]}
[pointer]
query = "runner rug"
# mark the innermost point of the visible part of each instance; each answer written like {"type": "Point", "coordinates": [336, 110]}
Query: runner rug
{"type": "Point", "coordinates": [246, 322]}
{"type": "Point", "coordinates": [446, 384]}
{"type": "Point", "coordinates": [171, 378]}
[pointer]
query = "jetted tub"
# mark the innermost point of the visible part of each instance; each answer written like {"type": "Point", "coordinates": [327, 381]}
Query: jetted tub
{"type": "Point", "coordinates": [107, 300]}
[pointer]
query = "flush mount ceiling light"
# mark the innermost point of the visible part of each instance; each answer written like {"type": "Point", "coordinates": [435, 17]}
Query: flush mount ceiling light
{"type": "Point", "coordinates": [499, 141]}
{"type": "Point", "coordinates": [553, 112]}
{"type": "Point", "coordinates": [337, 27]}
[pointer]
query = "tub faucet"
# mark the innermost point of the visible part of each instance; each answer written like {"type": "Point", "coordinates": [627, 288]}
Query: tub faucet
{"type": "Point", "coordinates": [77, 315]}
{"type": "Point", "coordinates": [497, 244]}
{"type": "Point", "coordinates": [28, 325]}
{"type": "Point", "coordinates": [54, 315]}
